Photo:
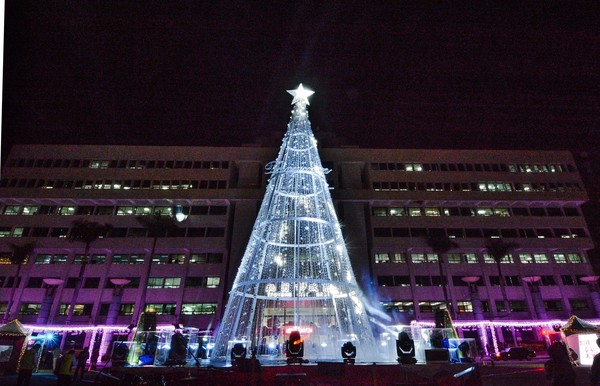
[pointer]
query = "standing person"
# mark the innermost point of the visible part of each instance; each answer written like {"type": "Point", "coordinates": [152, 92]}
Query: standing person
{"type": "Point", "coordinates": [595, 370]}
{"type": "Point", "coordinates": [559, 368]}
{"type": "Point", "coordinates": [64, 368]}
{"type": "Point", "coordinates": [55, 356]}
{"type": "Point", "coordinates": [81, 362]}
{"type": "Point", "coordinates": [27, 365]}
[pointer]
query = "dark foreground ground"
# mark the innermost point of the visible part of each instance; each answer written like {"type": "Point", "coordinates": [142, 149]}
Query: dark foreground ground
{"type": "Point", "coordinates": [505, 374]}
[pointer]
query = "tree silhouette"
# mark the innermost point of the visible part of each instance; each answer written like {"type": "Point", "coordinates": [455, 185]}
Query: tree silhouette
{"type": "Point", "coordinates": [498, 249]}
{"type": "Point", "coordinates": [20, 254]}
{"type": "Point", "coordinates": [157, 226]}
{"type": "Point", "coordinates": [441, 245]}
{"type": "Point", "coordinates": [86, 232]}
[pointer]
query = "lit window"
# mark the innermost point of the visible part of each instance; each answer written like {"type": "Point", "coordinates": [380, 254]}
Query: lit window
{"type": "Point", "coordinates": [176, 259]}
{"type": "Point", "coordinates": [379, 211]}
{"type": "Point", "coordinates": [11, 209]}
{"type": "Point", "coordinates": [417, 258]}
{"type": "Point", "coordinates": [397, 212]}
{"type": "Point", "coordinates": [526, 258]}
{"type": "Point", "coordinates": [172, 282]}
{"type": "Point", "coordinates": [160, 259]}
{"type": "Point", "coordinates": [540, 258]}
{"type": "Point", "coordinates": [161, 308]}
{"type": "Point", "coordinates": [454, 258]}
{"type": "Point", "coordinates": [398, 258]}
{"type": "Point", "coordinates": [43, 259]}
{"type": "Point", "coordinates": [560, 258]}
{"type": "Point", "coordinates": [213, 282]}
{"type": "Point", "coordinates": [574, 258]}
{"type": "Point", "coordinates": [464, 306]}
{"type": "Point", "coordinates": [78, 310]}
{"type": "Point", "coordinates": [431, 306]}
{"type": "Point", "coordinates": [432, 212]}
{"type": "Point", "coordinates": [382, 257]}
{"type": "Point", "coordinates": [155, 282]}
{"type": "Point", "coordinates": [30, 308]}
{"type": "Point", "coordinates": [414, 212]}
{"type": "Point", "coordinates": [199, 308]}
{"type": "Point", "coordinates": [29, 210]}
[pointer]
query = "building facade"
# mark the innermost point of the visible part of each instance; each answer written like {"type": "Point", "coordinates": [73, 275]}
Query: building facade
{"type": "Point", "coordinates": [390, 202]}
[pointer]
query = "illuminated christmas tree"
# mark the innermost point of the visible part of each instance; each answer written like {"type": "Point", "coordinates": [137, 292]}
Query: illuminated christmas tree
{"type": "Point", "coordinates": [295, 273]}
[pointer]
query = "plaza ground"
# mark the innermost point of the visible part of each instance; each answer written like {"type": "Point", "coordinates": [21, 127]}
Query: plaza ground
{"type": "Point", "coordinates": [503, 373]}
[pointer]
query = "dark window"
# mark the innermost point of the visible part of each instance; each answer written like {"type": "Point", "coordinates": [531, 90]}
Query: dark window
{"type": "Point", "coordinates": [118, 232]}
{"type": "Point", "coordinates": [35, 282]}
{"type": "Point", "coordinates": [537, 211]}
{"type": "Point", "coordinates": [554, 212]}
{"type": "Point", "coordinates": [382, 232]}
{"type": "Point", "coordinates": [91, 282]}
{"type": "Point", "coordinates": [424, 281]}
{"type": "Point", "coordinates": [105, 210]}
{"type": "Point", "coordinates": [196, 232]}
{"type": "Point", "coordinates": [470, 232]}
{"type": "Point", "coordinates": [548, 280]}
{"type": "Point", "coordinates": [104, 309]}
{"type": "Point", "coordinates": [71, 282]}
{"type": "Point", "coordinates": [520, 212]}
{"type": "Point", "coordinates": [512, 281]}
{"type": "Point", "coordinates": [199, 210]}
{"type": "Point", "coordinates": [418, 232]}
{"type": "Point", "coordinates": [218, 210]}
{"type": "Point", "coordinates": [553, 305]}
{"type": "Point", "coordinates": [517, 306]}
{"type": "Point", "coordinates": [567, 280]}
{"type": "Point", "coordinates": [385, 281]}
{"type": "Point", "coordinates": [85, 210]}
{"type": "Point", "coordinates": [402, 281]}
{"type": "Point", "coordinates": [194, 281]}
{"type": "Point", "coordinates": [571, 211]}
{"type": "Point", "coordinates": [39, 232]}
{"type": "Point", "coordinates": [215, 232]}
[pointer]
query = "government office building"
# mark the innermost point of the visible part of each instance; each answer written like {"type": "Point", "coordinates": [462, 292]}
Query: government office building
{"type": "Point", "coordinates": [390, 202]}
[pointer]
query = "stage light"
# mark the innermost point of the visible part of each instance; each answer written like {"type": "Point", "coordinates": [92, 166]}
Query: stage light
{"type": "Point", "coordinates": [294, 348]}
{"type": "Point", "coordinates": [238, 353]}
{"type": "Point", "coordinates": [405, 348]}
{"type": "Point", "coordinates": [349, 352]}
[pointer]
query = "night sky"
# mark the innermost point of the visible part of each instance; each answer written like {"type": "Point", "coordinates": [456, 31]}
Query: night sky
{"type": "Point", "coordinates": [389, 74]}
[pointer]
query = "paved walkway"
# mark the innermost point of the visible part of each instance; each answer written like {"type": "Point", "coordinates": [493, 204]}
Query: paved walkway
{"type": "Point", "coordinates": [42, 378]}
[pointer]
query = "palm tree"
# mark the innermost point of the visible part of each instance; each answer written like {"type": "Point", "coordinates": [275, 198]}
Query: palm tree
{"type": "Point", "coordinates": [157, 226]}
{"type": "Point", "coordinates": [441, 245]}
{"type": "Point", "coordinates": [86, 232]}
{"type": "Point", "coordinates": [498, 249]}
{"type": "Point", "coordinates": [19, 256]}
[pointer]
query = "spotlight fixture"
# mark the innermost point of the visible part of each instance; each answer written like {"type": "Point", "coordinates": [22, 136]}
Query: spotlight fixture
{"type": "Point", "coordinates": [294, 348]}
{"type": "Point", "coordinates": [405, 348]}
{"type": "Point", "coordinates": [238, 353]}
{"type": "Point", "coordinates": [349, 352]}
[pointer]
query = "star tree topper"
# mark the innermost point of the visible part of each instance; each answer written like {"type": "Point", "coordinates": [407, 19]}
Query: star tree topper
{"type": "Point", "coordinates": [300, 95]}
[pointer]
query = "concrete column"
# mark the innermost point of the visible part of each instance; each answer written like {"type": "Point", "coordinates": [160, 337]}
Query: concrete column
{"type": "Point", "coordinates": [474, 295]}
{"type": "Point", "coordinates": [596, 301]}
{"type": "Point", "coordinates": [115, 305]}
{"type": "Point", "coordinates": [51, 286]}
{"type": "Point", "coordinates": [538, 303]}
{"type": "Point", "coordinates": [536, 297]}
{"type": "Point", "coordinates": [592, 282]}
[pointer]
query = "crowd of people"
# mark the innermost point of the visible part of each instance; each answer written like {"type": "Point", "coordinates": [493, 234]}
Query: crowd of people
{"type": "Point", "coordinates": [66, 367]}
